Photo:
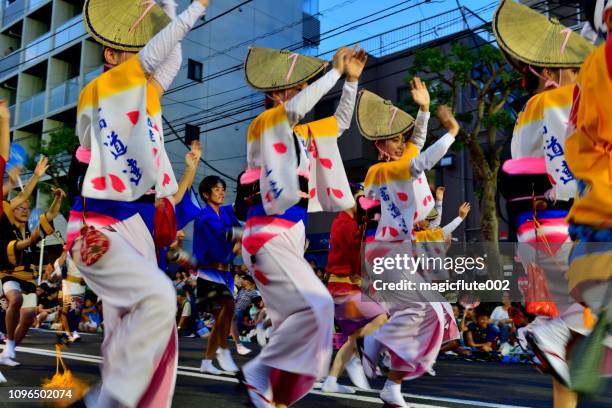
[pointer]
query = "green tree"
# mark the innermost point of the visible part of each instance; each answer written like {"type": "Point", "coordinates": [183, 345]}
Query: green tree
{"type": "Point", "coordinates": [58, 146]}
{"type": "Point", "coordinates": [485, 126]}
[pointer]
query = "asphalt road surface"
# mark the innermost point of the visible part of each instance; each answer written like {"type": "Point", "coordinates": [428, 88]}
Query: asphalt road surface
{"type": "Point", "coordinates": [457, 383]}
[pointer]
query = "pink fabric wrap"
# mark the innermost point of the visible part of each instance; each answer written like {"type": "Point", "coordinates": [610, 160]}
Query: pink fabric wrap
{"type": "Point", "coordinates": [525, 165]}
{"type": "Point", "coordinates": [83, 155]}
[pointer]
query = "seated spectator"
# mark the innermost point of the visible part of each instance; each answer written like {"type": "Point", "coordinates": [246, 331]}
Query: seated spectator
{"type": "Point", "coordinates": [185, 317]}
{"type": "Point", "coordinates": [244, 299]}
{"type": "Point", "coordinates": [501, 319]}
{"type": "Point", "coordinates": [469, 316]}
{"type": "Point", "coordinates": [454, 346]}
{"type": "Point", "coordinates": [91, 317]}
{"type": "Point", "coordinates": [48, 305]}
{"type": "Point", "coordinates": [481, 335]}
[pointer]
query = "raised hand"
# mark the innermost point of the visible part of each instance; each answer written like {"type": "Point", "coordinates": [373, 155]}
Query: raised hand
{"type": "Point", "coordinates": [5, 114]}
{"type": "Point", "coordinates": [420, 95]}
{"type": "Point", "coordinates": [41, 167]}
{"type": "Point", "coordinates": [464, 210]}
{"type": "Point", "coordinates": [447, 119]}
{"type": "Point", "coordinates": [340, 59]}
{"type": "Point", "coordinates": [192, 158]}
{"type": "Point", "coordinates": [58, 196]}
{"type": "Point", "coordinates": [204, 3]}
{"type": "Point", "coordinates": [440, 193]}
{"type": "Point", "coordinates": [355, 64]}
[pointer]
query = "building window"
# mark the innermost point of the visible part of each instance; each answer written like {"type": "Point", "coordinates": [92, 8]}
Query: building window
{"type": "Point", "coordinates": [194, 70]}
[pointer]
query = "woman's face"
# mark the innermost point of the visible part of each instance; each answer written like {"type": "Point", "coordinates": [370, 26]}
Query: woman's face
{"type": "Point", "coordinates": [394, 147]}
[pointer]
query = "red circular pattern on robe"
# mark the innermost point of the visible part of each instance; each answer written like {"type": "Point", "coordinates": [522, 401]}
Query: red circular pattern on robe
{"type": "Point", "coordinates": [116, 183]}
{"type": "Point", "coordinates": [402, 196]}
{"type": "Point", "coordinates": [99, 183]}
{"type": "Point", "coordinates": [327, 163]}
{"type": "Point", "coordinates": [280, 148]}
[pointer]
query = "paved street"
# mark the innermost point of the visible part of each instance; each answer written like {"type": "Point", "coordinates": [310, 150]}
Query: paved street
{"type": "Point", "coordinates": [456, 384]}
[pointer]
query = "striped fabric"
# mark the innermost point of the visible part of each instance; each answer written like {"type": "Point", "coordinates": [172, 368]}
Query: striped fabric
{"type": "Point", "coordinates": [119, 119]}
{"type": "Point", "coordinates": [590, 259]}
{"type": "Point", "coordinates": [540, 131]}
{"type": "Point", "coordinates": [589, 147]}
{"type": "Point", "coordinates": [404, 200]}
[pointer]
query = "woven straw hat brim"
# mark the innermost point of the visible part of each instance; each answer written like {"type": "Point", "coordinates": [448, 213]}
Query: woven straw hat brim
{"type": "Point", "coordinates": [375, 117]}
{"type": "Point", "coordinates": [526, 36]}
{"type": "Point", "coordinates": [266, 69]}
{"type": "Point", "coordinates": [109, 22]}
{"type": "Point", "coordinates": [433, 214]}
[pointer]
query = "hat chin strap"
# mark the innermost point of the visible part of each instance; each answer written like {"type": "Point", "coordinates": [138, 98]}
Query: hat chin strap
{"type": "Point", "coordinates": [548, 81]}
{"type": "Point", "coordinates": [278, 99]}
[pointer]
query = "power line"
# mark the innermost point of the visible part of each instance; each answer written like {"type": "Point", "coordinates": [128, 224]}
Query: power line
{"type": "Point", "coordinates": [202, 160]}
{"type": "Point", "coordinates": [245, 107]}
{"type": "Point", "coordinates": [294, 46]}
{"type": "Point", "coordinates": [239, 66]}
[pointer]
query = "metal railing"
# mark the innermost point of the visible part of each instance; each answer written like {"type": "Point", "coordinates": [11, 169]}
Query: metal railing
{"type": "Point", "coordinates": [13, 11]}
{"type": "Point", "coordinates": [92, 74]}
{"type": "Point", "coordinates": [12, 111]}
{"type": "Point", "coordinates": [35, 3]}
{"type": "Point", "coordinates": [32, 108]}
{"type": "Point", "coordinates": [38, 47]}
{"type": "Point", "coordinates": [8, 63]}
{"type": "Point", "coordinates": [69, 31]}
{"type": "Point", "coordinates": [64, 94]}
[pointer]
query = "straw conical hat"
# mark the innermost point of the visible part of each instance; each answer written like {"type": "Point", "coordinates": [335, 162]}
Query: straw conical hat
{"type": "Point", "coordinates": [268, 69]}
{"type": "Point", "coordinates": [109, 22]}
{"type": "Point", "coordinates": [378, 119]}
{"type": "Point", "coordinates": [528, 37]}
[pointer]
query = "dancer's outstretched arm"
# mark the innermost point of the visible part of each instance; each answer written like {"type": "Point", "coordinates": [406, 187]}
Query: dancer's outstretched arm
{"type": "Point", "coordinates": [420, 96]}
{"type": "Point", "coordinates": [302, 103]}
{"type": "Point", "coordinates": [169, 68]}
{"type": "Point", "coordinates": [346, 106]}
{"type": "Point", "coordinates": [438, 206]}
{"type": "Point", "coordinates": [427, 159]}
{"type": "Point", "coordinates": [156, 51]}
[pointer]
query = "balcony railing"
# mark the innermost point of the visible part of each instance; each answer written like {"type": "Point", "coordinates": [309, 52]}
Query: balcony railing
{"type": "Point", "coordinates": [38, 47]}
{"type": "Point", "coordinates": [13, 11]}
{"type": "Point", "coordinates": [65, 94]}
{"type": "Point", "coordinates": [69, 31]}
{"type": "Point", "coordinates": [92, 74]}
{"type": "Point", "coordinates": [32, 108]}
{"type": "Point", "coordinates": [12, 111]}
{"type": "Point", "coordinates": [10, 63]}
{"type": "Point", "coordinates": [35, 3]}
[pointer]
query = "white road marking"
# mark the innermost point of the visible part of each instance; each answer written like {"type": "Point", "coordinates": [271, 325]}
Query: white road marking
{"type": "Point", "coordinates": [194, 372]}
